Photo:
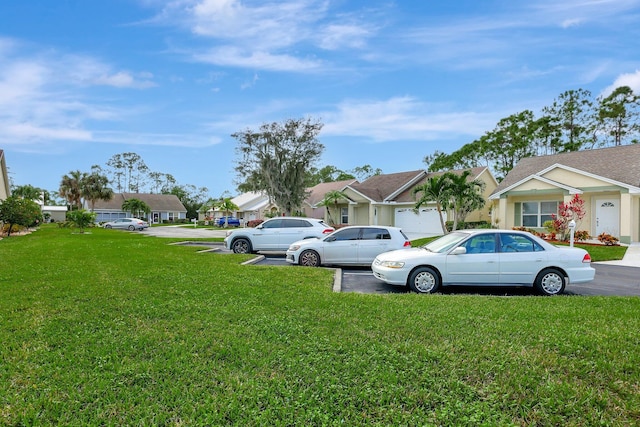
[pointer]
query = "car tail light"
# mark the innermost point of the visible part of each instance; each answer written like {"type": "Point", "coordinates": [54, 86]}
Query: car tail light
{"type": "Point", "coordinates": [328, 231]}
{"type": "Point", "coordinates": [587, 258]}
{"type": "Point", "coordinates": [407, 244]}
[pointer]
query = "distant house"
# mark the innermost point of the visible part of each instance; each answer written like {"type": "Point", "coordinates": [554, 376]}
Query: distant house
{"type": "Point", "coordinates": [607, 179]}
{"type": "Point", "coordinates": [312, 206]}
{"type": "Point", "coordinates": [5, 187]}
{"type": "Point", "coordinates": [389, 200]}
{"type": "Point", "coordinates": [164, 207]}
{"type": "Point", "coordinates": [251, 206]}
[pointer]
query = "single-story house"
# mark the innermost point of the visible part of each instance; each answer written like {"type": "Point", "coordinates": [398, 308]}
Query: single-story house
{"type": "Point", "coordinates": [5, 187]}
{"type": "Point", "coordinates": [312, 206]}
{"type": "Point", "coordinates": [251, 206]}
{"type": "Point", "coordinates": [607, 179]}
{"type": "Point", "coordinates": [389, 200]}
{"type": "Point", "coordinates": [54, 213]}
{"type": "Point", "coordinates": [164, 207]}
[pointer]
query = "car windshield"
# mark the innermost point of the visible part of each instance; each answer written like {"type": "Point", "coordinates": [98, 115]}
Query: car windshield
{"type": "Point", "coordinates": [446, 242]}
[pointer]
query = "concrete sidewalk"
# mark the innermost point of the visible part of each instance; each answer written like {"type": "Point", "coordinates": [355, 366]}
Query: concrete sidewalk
{"type": "Point", "coordinates": [631, 257]}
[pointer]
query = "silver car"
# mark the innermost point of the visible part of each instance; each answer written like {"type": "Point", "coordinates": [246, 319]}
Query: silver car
{"type": "Point", "coordinates": [353, 245]}
{"type": "Point", "coordinates": [486, 258]}
{"type": "Point", "coordinates": [127, 223]}
{"type": "Point", "coordinates": [275, 234]}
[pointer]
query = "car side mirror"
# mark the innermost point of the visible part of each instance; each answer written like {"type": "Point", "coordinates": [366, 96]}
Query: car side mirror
{"type": "Point", "coordinates": [460, 250]}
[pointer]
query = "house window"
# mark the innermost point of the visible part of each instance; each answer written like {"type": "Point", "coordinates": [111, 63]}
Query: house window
{"type": "Point", "coordinates": [344, 215]}
{"type": "Point", "coordinates": [171, 216]}
{"type": "Point", "coordinates": [535, 214]}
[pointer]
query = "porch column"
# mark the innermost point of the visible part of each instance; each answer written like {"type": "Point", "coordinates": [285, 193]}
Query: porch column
{"type": "Point", "coordinates": [626, 216]}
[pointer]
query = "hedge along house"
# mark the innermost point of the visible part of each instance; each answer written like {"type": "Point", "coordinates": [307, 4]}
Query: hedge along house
{"type": "Point", "coordinates": [389, 200]}
{"type": "Point", "coordinates": [607, 179]}
{"type": "Point", "coordinates": [164, 207]}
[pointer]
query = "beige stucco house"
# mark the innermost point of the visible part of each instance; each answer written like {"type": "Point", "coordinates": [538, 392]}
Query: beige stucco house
{"type": "Point", "coordinates": [389, 200]}
{"type": "Point", "coordinates": [313, 207]}
{"type": "Point", "coordinates": [5, 187]}
{"type": "Point", "coordinates": [607, 179]}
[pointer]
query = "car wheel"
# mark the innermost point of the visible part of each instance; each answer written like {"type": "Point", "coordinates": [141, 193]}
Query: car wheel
{"type": "Point", "coordinates": [241, 246]}
{"type": "Point", "coordinates": [424, 280]}
{"type": "Point", "coordinates": [107, 226]}
{"type": "Point", "coordinates": [132, 227]}
{"type": "Point", "coordinates": [550, 282]}
{"type": "Point", "coordinates": [309, 258]}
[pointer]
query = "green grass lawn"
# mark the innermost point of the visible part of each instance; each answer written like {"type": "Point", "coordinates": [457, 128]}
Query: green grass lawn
{"type": "Point", "coordinates": [118, 328]}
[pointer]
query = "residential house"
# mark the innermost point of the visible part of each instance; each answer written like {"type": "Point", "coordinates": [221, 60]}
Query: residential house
{"type": "Point", "coordinates": [313, 207]}
{"type": "Point", "coordinates": [607, 179]}
{"type": "Point", "coordinates": [251, 206]}
{"type": "Point", "coordinates": [164, 207]}
{"type": "Point", "coordinates": [5, 186]}
{"type": "Point", "coordinates": [389, 200]}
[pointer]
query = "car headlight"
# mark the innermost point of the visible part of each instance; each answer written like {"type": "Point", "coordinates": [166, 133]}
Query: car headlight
{"type": "Point", "coordinates": [391, 264]}
{"type": "Point", "coordinates": [294, 248]}
{"type": "Point", "coordinates": [229, 233]}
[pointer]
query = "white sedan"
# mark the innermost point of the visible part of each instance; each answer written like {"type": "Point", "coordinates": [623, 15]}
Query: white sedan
{"type": "Point", "coordinates": [353, 245]}
{"type": "Point", "coordinates": [485, 258]}
{"type": "Point", "coordinates": [127, 223]}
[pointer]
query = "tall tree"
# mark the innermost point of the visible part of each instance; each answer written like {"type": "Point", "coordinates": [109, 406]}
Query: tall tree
{"type": "Point", "coordinates": [619, 115]}
{"type": "Point", "coordinates": [71, 188]}
{"type": "Point", "coordinates": [275, 159]}
{"type": "Point", "coordinates": [365, 171]}
{"type": "Point", "coordinates": [94, 187]}
{"type": "Point", "coordinates": [128, 171]}
{"type": "Point", "coordinates": [570, 119]}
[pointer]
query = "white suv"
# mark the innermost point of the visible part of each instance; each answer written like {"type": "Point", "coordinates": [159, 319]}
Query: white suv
{"type": "Point", "coordinates": [275, 234]}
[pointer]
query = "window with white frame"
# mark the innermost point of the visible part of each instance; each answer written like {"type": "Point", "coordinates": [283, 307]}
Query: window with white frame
{"type": "Point", "coordinates": [171, 216]}
{"type": "Point", "coordinates": [344, 215]}
{"type": "Point", "coordinates": [535, 214]}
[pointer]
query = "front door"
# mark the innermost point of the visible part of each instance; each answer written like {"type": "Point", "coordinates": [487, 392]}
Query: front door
{"type": "Point", "coordinates": [608, 217]}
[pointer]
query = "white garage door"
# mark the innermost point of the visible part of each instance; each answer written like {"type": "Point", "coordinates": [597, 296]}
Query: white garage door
{"type": "Point", "coordinates": [424, 220]}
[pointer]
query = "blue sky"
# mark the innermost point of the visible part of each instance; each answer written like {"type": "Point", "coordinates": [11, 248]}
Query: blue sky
{"type": "Point", "coordinates": [82, 80]}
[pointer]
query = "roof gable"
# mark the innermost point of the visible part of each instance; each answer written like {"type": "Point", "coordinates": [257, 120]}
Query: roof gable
{"type": "Point", "coordinates": [615, 165]}
{"type": "Point", "coordinates": [316, 193]}
{"type": "Point", "coordinates": [381, 188]}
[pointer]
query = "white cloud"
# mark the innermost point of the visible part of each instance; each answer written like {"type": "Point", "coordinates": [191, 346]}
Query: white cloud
{"type": "Point", "coordinates": [401, 118]}
{"type": "Point", "coordinates": [266, 35]}
{"type": "Point", "coordinates": [236, 57]}
{"type": "Point", "coordinates": [628, 79]}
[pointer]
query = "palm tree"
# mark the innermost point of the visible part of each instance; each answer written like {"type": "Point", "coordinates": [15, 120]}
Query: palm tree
{"type": "Point", "coordinates": [94, 188]}
{"type": "Point", "coordinates": [465, 196]}
{"type": "Point", "coordinates": [136, 207]}
{"type": "Point", "coordinates": [435, 189]}
{"type": "Point", "coordinates": [28, 192]}
{"type": "Point", "coordinates": [70, 188]}
{"type": "Point", "coordinates": [331, 198]}
{"type": "Point", "coordinates": [226, 205]}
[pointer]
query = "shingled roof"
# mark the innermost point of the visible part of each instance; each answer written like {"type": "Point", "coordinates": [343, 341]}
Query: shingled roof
{"type": "Point", "coordinates": [620, 164]}
{"type": "Point", "coordinates": [380, 187]}
{"type": "Point", "coordinates": [317, 192]}
{"type": "Point", "coordinates": [157, 202]}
